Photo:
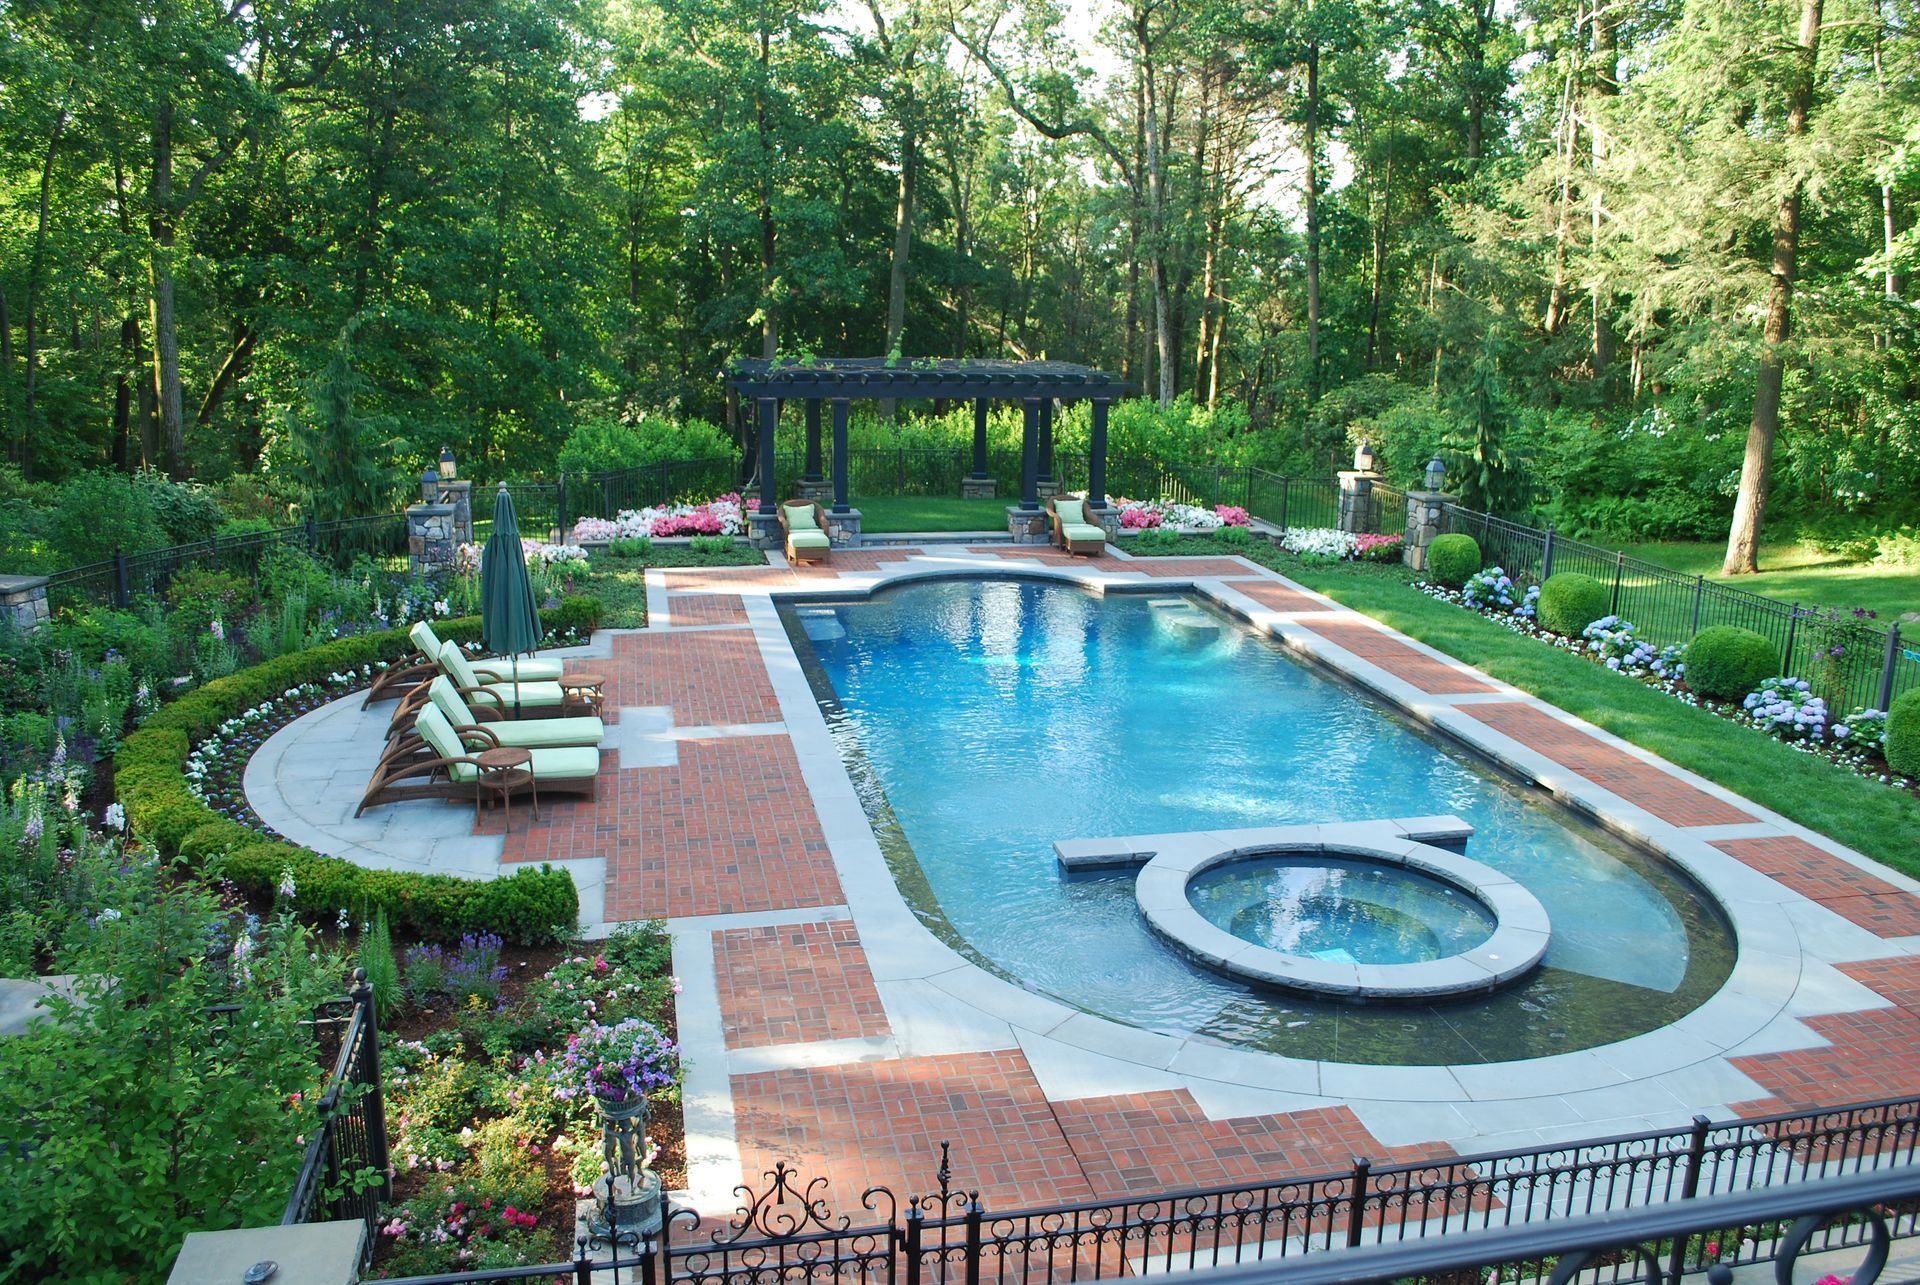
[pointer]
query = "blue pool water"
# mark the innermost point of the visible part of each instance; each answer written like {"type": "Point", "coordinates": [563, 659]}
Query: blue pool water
{"type": "Point", "coordinates": [985, 719]}
{"type": "Point", "coordinates": [1354, 912]}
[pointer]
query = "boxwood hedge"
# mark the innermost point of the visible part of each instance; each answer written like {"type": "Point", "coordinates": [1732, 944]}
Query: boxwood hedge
{"type": "Point", "coordinates": [531, 905]}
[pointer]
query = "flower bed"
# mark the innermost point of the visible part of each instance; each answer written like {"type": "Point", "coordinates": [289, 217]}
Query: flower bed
{"type": "Point", "coordinates": [719, 516]}
{"type": "Point", "coordinates": [194, 817]}
{"type": "Point", "coordinates": [1785, 707]}
{"type": "Point", "coordinates": [492, 1138]}
{"type": "Point", "coordinates": [1192, 519]}
{"type": "Point", "coordinates": [1334, 545]}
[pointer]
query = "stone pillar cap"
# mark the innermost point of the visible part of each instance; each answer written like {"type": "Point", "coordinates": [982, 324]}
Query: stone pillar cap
{"type": "Point", "coordinates": [20, 584]}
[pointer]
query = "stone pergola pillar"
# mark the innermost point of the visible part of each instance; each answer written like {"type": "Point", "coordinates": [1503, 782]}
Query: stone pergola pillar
{"type": "Point", "coordinates": [1047, 485]}
{"type": "Point", "coordinates": [1027, 523]}
{"type": "Point", "coordinates": [430, 543]}
{"type": "Point", "coordinates": [1356, 499]}
{"type": "Point", "coordinates": [763, 523]}
{"type": "Point", "coordinates": [23, 602]}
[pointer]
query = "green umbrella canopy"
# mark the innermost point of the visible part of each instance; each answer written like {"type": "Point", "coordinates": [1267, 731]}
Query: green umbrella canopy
{"type": "Point", "coordinates": [509, 617]}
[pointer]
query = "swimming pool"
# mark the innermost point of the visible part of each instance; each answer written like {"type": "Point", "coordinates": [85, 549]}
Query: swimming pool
{"type": "Point", "coordinates": [984, 719]}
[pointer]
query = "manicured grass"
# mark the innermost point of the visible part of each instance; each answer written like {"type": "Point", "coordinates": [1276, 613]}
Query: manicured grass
{"type": "Point", "coordinates": [1880, 821]}
{"type": "Point", "coordinates": [1795, 573]}
{"type": "Point", "coordinates": [931, 513]}
{"type": "Point", "coordinates": [621, 583]}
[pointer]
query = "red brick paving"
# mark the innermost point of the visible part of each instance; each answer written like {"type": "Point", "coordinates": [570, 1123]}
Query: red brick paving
{"type": "Point", "coordinates": [1840, 886]}
{"type": "Point", "coordinates": [706, 609]}
{"type": "Point", "coordinates": [726, 579]}
{"type": "Point", "coordinates": [710, 679]}
{"type": "Point", "coordinates": [1277, 597]}
{"type": "Point", "coordinates": [796, 983]}
{"type": "Point", "coordinates": [1639, 782]}
{"type": "Point", "coordinates": [866, 1124]}
{"type": "Point", "coordinates": [1382, 649]}
{"type": "Point", "coordinates": [1048, 553]}
{"type": "Point", "coordinates": [1868, 1054]}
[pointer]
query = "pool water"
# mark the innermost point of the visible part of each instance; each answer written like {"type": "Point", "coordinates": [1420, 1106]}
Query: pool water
{"type": "Point", "coordinates": [984, 719]}
{"type": "Point", "coordinates": [1351, 912]}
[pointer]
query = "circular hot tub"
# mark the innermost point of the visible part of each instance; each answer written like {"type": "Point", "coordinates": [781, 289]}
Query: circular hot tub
{"type": "Point", "coordinates": [1402, 921]}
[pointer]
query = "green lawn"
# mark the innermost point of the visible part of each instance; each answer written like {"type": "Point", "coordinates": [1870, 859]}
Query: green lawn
{"type": "Point", "coordinates": [1882, 822]}
{"type": "Point", "coordinates": [1795, 573]}
{"type": "Point", "coordinates": [931, 513]}
{"type": "Point", "coordinates": [621, 583]}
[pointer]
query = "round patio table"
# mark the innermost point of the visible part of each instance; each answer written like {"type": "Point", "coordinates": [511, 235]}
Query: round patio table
{"type": "Point", "coordinates": [582, 693]}
{"type": "Point", "coordinates": [504, 772]}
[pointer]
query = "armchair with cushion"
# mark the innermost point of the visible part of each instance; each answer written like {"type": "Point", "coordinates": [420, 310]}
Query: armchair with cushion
{"type": "Point", "coordinates": [805, 525]}
{"type": "Point", "coordinates": [1071, 530]}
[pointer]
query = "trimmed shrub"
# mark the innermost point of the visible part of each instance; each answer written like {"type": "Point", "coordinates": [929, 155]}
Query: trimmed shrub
{"type": "Point", "coordinates": [1726, 662]}
{"type": "Point", "coordinates": [1903, 735]}
{"type": "Point", "coordinates": [1569, 602]}
{"type": "Point", "coordinates": [531, 906]}
{"type": "Point", "coordinates": [1452, 558]}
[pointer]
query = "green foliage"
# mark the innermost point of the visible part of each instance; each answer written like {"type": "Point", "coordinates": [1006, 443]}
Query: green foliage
{"type": "Point", "coordinates": [1903, 735]}
{"type": "Point", "coordinates": [383, 971]}
{"type": "Point", "coordinates": [336, 451]}
{"type": "Point", "coordinates": [706, 546]}
{"type": "Point", "coordinates": [630, 547]}
{"type": "Point", "coordinates": [1235, 537]}
{"type": "Point", "coordinates": [607, 445]}
{"type": "Point", "coordinates": [186, 513]}
{"type": "Point", "coordinates": [1726, 662]}
{"type": "Point", "coordinates": [1452, 558]}
{"type": "Point", "coordinates": [1569, 602]}
{"type": "Point", "coordinates": [161, 1117]}
{"type": "Point", "coordinates": [96, 513]}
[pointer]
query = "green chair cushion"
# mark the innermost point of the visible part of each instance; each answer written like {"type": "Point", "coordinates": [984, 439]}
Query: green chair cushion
{"type": "Point", "coordinates": [1081, 531]}
{"type": "Point", "coordinates": [800, 517]}
{"type": "Point", "coordinates": [506, 697]}
{"type": "Point", "coordinates": [545, 733]}
{"type": "Point", "coordinates": [496, 669]}
{"type": "Point", "coordinates": [569, 764]}
{"type": "Point", "coordinates": [815, 539]}
{"type": "Point", "coordinates": [454, 663]}
{"type": "Point", "coordinates": [424, 638]}
{"type": "Point", "coordinates": [438, 732]}
{"type": "Point", "coordinates": [1070, 511]}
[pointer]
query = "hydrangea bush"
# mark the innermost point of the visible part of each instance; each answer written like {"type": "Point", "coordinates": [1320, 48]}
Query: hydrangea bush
{"type": "Point", "coordinates": [1615, 644]}
{"type": "Point", "coordinates": [1491, 588]}
{"type": "Point", "coordinates": [1788, 709]}
{"type": "Point", "coordinates": [1864, 729]}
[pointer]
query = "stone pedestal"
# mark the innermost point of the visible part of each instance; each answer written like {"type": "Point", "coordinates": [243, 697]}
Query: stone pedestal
{"type": "Point", "coordinates": [977, 488]}
{"type": "Point", "coordinates": [844, 528]}
{"type": "Point", "coordinates": [1028, 526]}
{"type": "Point", "coordinates": [307, 1254]}
{"type": "Point", "coordinates": [1424, 510]}
{"type": "Point", "coordinates": [820, 489]}
{"type": "Point", "coordinates": [763, 530]}
{"type": "Point", "coordinates": [460, 496]}
{"type": "Point", "coordinates": [430, 543]}
{"type": "Point", "coordinates": [1047, 488]}
{"type": "Point", "coordinates": [23, 602]}
{"type": "Point", "coordinates": [1106, 517]}
{"type": "Point", "coordinates": [1356, 499]}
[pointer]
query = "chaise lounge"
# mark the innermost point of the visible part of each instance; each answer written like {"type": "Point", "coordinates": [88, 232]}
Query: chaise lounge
{"type": "Point", "coordinates": [451, 770]}
{"type": "Point", "coordinates": [805, 525]}
{"type": "Point", "coordinates": [424, 663]}
{"type": "Point", "coordinates": [1071, 530]}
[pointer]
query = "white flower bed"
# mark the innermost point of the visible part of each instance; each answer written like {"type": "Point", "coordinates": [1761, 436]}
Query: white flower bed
{"type": "Point", "coordinates": [720, 516]}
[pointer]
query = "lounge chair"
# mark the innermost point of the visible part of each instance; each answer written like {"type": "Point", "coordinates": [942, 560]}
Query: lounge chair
{"type": "Point", "coordinates": [525, 699]}
{"type": "Point", "coordinates": [805, 524]}
{"type": "Point", "coordinates": [1071, 530]}
{"type": "Point", "coordinates": [513, 733]}
{"type": "Point", "coordinates": [451, 769]}
{"type": "Point", "coordinates": [424, 663]}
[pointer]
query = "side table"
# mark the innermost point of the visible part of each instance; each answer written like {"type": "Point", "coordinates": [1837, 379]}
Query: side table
{"type": "Point", "coordinates": [503, 773]}
{"type": "Point", "coordinates": [582, 693]}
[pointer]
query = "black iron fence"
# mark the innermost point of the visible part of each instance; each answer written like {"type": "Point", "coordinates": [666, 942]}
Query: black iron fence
{"type": "Point", "coordinates": [789, 1232]}
{"type": "Point", "coordinates": [345, 1171]}
{"type": "Point", "coordinates": [1851, 661]}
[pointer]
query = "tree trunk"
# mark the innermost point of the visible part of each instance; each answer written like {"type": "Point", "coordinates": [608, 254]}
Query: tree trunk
{"type": "Point", "coordinates": [1167, 373]}
{"type": "Point", "coordinates": [1743, 539]}
{"type": "Point", "coordinates": [166, 336]}
{"type": "Point", "coordinates": [1606, 84]}
{"type": "Point", "coordinates": [36, 270]}
{"type": "Point", "coordinates": [1568, 141]}
{"type": "Point", "coordinates": [1313, 221]}
{"type": "Point", "coordinates": [769, 319]}
{"type": "Point", "coordinates": [902, 238]}
{"type": "Point", "coordinates": [1381, 227]}
{"type": "Point", "coordinates": [123, 394]}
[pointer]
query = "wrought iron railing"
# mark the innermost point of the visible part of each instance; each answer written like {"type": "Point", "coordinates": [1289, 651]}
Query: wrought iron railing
{"type": "Point", "coordinates": [789, 1233]}
{"type": "Point", "coordinates": [1850, 661]}
{"type": "Point", "coordinates": [345, 1172]}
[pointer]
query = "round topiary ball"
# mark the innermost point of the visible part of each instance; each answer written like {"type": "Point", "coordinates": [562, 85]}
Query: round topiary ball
{"type": "Point", "coordinates": [1726, 662]}
{"type": "Point", "coordinates": [1452, 558]}
{"type": "Point", "coordinates": [1903, 735]}
{"type": "Point", "coordinates": [1569, 602]}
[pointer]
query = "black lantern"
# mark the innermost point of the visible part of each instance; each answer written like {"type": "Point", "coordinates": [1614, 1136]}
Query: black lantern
{"type": "Point", "coordinates": [447, 470]}
{"type": "Point", "coordinates": [1363, 458]}
{"type": "Point", "coordinates": [1436, 473]}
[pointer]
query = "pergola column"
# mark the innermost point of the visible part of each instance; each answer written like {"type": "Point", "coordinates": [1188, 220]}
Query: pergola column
{"type": "Point", "coordinates": [841, 408]}
{"type": "Point", "coordinates": [1097, 456]}
{"type": "Point", "coordinates": [813, 473]}
{"type": "Point", "coordinates": [1030, 455]}
{"type": "Point", "coordinates": [769, 421]}
{"type": "Point", "coordinates": [979, 438]}
{"type": "Point", "coordinates": [1046, 440]}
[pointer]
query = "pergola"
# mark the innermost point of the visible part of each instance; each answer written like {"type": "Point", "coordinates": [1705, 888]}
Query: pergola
{"type": "Point", "coordinates": [1036, 385]}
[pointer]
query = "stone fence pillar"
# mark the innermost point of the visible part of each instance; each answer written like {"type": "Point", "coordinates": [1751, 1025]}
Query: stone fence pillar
{"type": "Point", "coordinates": [23, 602]}
{"type": "Point", "coordinates": [1424, 510]}
{"type": "Point", "coordinates": [430, 544]}
{"type": "Point", "coordinates": [460, 496]}
{"type": "Point", "coordinates": [1356, 499]}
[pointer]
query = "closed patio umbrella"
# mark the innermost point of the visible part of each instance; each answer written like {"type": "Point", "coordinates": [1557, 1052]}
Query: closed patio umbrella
{"type": "Point", "coordinates": [509, 617]}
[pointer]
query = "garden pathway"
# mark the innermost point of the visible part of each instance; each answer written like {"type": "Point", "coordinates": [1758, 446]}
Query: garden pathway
{"type": "Point", "coordinates": [824, 1025]}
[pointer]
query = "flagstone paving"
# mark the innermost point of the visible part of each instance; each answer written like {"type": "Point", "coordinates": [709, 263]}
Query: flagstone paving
{"type": "Point", "coordinates": [827, 1028]}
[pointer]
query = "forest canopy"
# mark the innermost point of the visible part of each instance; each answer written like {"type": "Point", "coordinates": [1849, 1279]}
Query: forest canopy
{"type": "Point", "coordinates": [1597, 252]}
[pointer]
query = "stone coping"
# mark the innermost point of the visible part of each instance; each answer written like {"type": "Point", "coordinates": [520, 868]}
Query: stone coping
{"type": "Point", "coordinates": [1519, 940]}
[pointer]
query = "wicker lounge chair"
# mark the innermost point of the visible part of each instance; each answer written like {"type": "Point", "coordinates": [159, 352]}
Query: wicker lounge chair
{"type": "Point", "coordinates": [512, 733]}
{"type": "Point", "coordinates": [805, 525]}
{"type": "Point", "coordinates": [1071, 530]}
{"type": "Point", "coordinates": [448, 768]}
{"type": "Point", "coordinates": [525, 699]}
{"type": "Point", "coordinates": [423, 663]}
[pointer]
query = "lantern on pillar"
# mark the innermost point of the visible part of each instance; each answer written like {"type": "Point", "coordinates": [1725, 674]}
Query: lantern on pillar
{"type": "Point", "coordinates": [447, 467]}
{"type": "Point", "coordinates": [1436, 473]}
{"type": "Point", "coordinates": [1363, 458]}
